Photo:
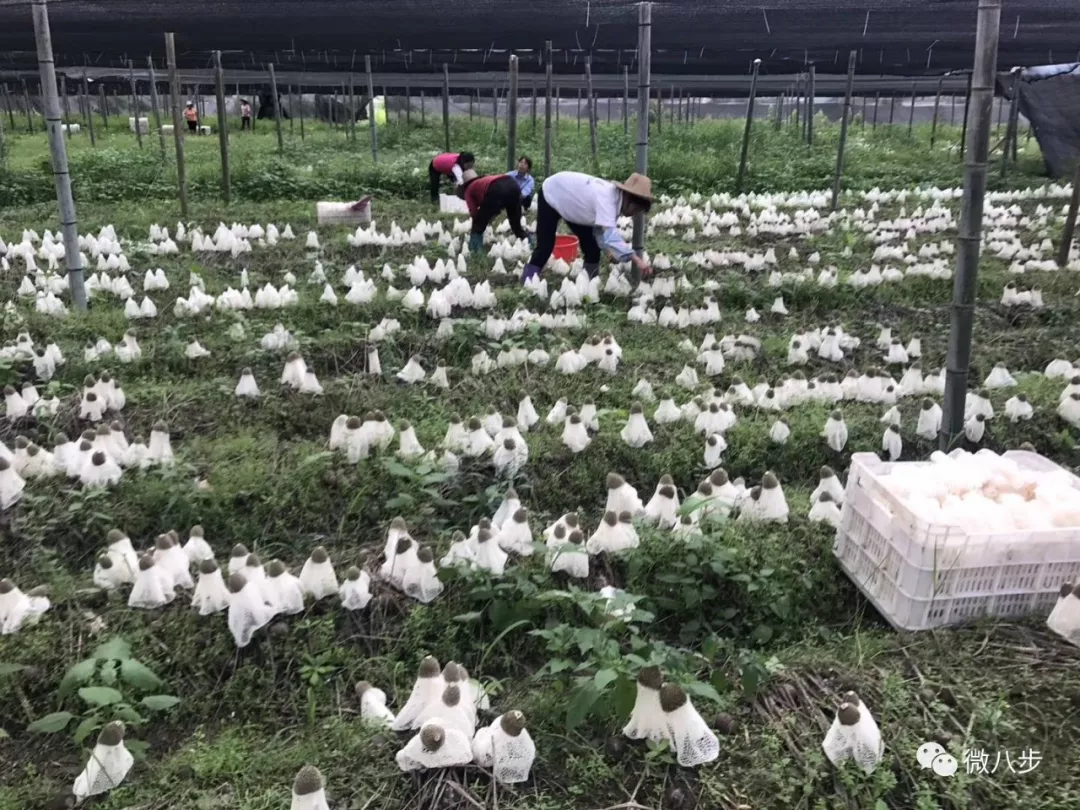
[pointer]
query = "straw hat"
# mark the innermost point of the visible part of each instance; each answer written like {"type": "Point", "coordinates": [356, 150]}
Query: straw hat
{"type": "Point", "coordinates": [467, 175]}
{"type": "Point", "coordinates": [638, 185]}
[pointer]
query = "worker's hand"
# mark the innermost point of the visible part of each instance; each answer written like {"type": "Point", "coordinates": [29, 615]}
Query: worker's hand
{"type": "Point", "coordinates": [646, 270]}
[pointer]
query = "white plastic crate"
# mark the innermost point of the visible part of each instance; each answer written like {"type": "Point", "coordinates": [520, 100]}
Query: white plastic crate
{"type": "Point", "coordinates": [921, 575]}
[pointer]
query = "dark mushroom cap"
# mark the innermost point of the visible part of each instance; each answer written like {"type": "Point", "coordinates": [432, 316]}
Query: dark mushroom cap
{"type": "Point", "coordinates": [160, 427]}
{"type": "Point", "coordinates": [21, 442]}
{"type": "Point", "coordinates": [837, 415]}
{"type": "Point", "coordinates": [475, 424]}
{"type": "Point", "coordinates": [115, 536]}
{"type": "Point", "coordinates": [362, 687]}
{"type": "Point", "coordinates": [452, 672]}
{"type": "Point", "coordinates": [197, 531]}
{"type": "Point", "coordinates": [848, 714]}
{"type": "Point", "coordinates": [559, 532]}
{"type": "Point", "coordinates": [636, 408]}
{"type": "Point", "coordinates": [163, 542]}
{"type": "Point", "coordinates": [625, 516]}
{"type": "Point", "coordinates": [84, 447]}
{"type": "Point", "coordinates": [666, 492]}
{"type": "Point", "coordinates": [146, 562]}
{"type": "Point", "coordinates": [429, 667]}
{"type": "Point", "coordinates": [571, 519]}
{"type": "Point", "coordinates": [1022, 397]}
{"type": "Point", "coordinates": [614, 481]}
{"type": "Point", "coordinates": [319, 555]}
{"type": "Point", "coordinates": [308, 780]}
{"type": "Point", "coordinates": [90, 395]}
{"type": "Point", "coordinates": [483, 523]}
{"type": "Point", "coordinates": [927, 403]}
{"type": "Point", "coordinates": [826, 497]}
{"type": "Point", "coordinates": [98, 458]}
{"type": "Point", "coordinates": [405, 425]}
{"type": "Point", "coordinates": [509, 443]}
{"type": "Point", "coordinates": [451, 695]}
{"type": "Point", "coordinates": [240, 550]}
{"type": "Point", "coordinates": [711, 441]}
{"type": "Point", "coordinates": [353, 573]}
{"type": "Point", "coordinates": [112, 734]}
{"type": "Point", "coordinates": [100, 430]}
{"type": "Point", "coordinates": [245, 371]}
{"type": "Point", "coordinates": [718, 477]}
{"type": "Point", "coordinates": [483, 536]}
{"type": "Point", "coordinates": [705, 489]}
{"type": "Point", "coordinates": [576, 537]}
{"type": "Point", "coordinates": [237, 582]}
{"type": "Point", "coordinates": [425, 555]}
{"type": "Point", "coordinates": [672, 697]}
{"type": "Point", "coordinates": [755, 493]}
{"type": "Point", "coordinates": [276, 568]}
{"type": "Point", "coordinates": [650, 677]}
{"type": "Point", "coordinates": [432, 737]}
{"type": "Point", "coordinates": [252, 561]}
{"type": "Point", "coordinates": [104, 561]}
{"type": "Point", "coordinates": [403, 545]}
{"type": "Point", "coordinates": [610, 518]}
{"type": "Point", "coordinates": [6, 585]}
{"type": "Point", "coordinates": [208, 566]}
{"type": "Point", "coordinates": [769, 481]}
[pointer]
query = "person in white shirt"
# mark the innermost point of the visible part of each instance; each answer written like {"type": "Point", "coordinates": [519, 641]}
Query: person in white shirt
{"type": "Point", "coordinates": [591, 208]}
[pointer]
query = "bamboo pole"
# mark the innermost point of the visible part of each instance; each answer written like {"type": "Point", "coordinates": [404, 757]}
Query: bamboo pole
{"type": "Point", "coordinates": [371, 111]}
{"type": "Point", "coordinates": [292, 112]}
{"type": "Point", "coordinates": [62, 80]}
{"type": "Point", "coordinates": [970, 224]}
{"type": "Point", "coordinates": [644, 81]}
{"type": "Point", "coordinates": [178, 135]}
{"type": "Point", "coordinates": [534, 101]}
{"type": "Point", "coordinates": [154, 106]}
{"type": "Point", "coordinates": [10, 107]}
{"type": "Point", "coordinates": [937, 104]}
{"type": "Point", "coordinates": [223, 128]}
{"type": "Point", "coordinates": [745, 151]}
{"type": "Point", "coordinates": [300, 109]}
{"type": "Point", "coordinates": [277, 110]}
{"type": "Point", "coordinates": [579, 109]}
{"type": "Point", "coordinates": [511, 113]}
{"type": "Point", "coordinates": [967, 110]}
{"type": "Point", "coordinates": [626, 101]}
{"type": "Point", "coordinates": [58, 151]}
{"type": "Point", "coordinates": [547, 108]}
{"type": "Point", "coordinates": [352, 108]}
{"type": "Point", "coordinates": [892, 108]}
{"type": "Point", "coordinates": [810, 106]}
{"type": "Point", "coordinates": [877, 103]}
{"type": "Point", "coordinates": [844, 121]}
{"type": "Point", "coordinates": [779, 110]}
{"type": "Point", "coordinates": [408, 105]}
{"type": "Point", "coordinates": [911, 112]}
{"type": "Point", "coordinates": [29, 116]}
{"type": "Point", "coordinates": [89, 112]}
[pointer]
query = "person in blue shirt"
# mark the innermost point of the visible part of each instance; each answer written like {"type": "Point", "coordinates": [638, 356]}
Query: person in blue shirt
{"type": "Point", "coordinates": [525, 181]}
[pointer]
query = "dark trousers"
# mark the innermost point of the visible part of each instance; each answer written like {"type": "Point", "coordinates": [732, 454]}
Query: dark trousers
{"type": "Point", "coordinates": [526, 203]}
{"type": "Point", "coordinates": [434, 179]}
{"type": "Point", "coordinates": [245, 123]}
{"type": "Point", "coordinates": [193, 126]}
{"type": "Point", "coordinates": [502, 195]}
{"type": "Point", "coordinates": [547, 223]}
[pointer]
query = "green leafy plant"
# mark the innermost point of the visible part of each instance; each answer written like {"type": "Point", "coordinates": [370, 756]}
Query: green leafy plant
{"type": "Point", "coordinates": [110, 685]}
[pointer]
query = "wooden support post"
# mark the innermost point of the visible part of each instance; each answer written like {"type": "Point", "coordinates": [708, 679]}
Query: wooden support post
{"type": "Point", "coordinates": [626, 101]}
{"type": "Point", "coordinates": [779, 111]}
{"type": "Point", "coordinates": [66, 104]}
{"type": "Point", "coordinates": [495, 108]}
{"type": "Point", "coordinates": [579, 109]}
{"type": "Point", "coordinates": [155, 107]}
{"type": "Point", "coordinates": [29, 115]}
{"type": "Point", "coordinates": [911, 112]}
{"type": "Point", "coordinates": [511, 113]}
{"type": "Point", "coordinates": [10, 106]}
{"type": "Point", "coordinates": [937, 104]}
{"type": "Point", "coordinates": [862, 115]}
{"type": "Point", "coordinates": [89, 112]}
{"type": "Point", "coordinates": [408, 105]}
{"type": "Point", "coordinates": [292, 112]}
{"type": "Point", "coordinates": [810, 99]}
{"type": "Point", "coordinates": [892, 108]}
{"type": "Point", "coordinates": [745, 151]}
{"type": "Point", "coordinates": [103, 105]}
{"type": "Point", "coordinates": [300, 110]}
{"type": "Point", "coordinates": [352, 108]}
{"type": "Point", "coordinates": [1065, 248]}
{"type": "Point", "coordinates": [135, 100]}
{"type": "Point", "coordinates": [798, 103]}
{"type": "Point", "coordinates": [178, 135]}
{"type": "Point", "coordinates": [643, 99]}
{"type": "Point", "coordinates": [534, 100]}
{"type": "Point", "coordinates": [591, 102]}
{"type": "Point", "coordinates": [223, 128]}
{"type": "Point", "coordinates": [547, 108]}
{"type": "Point", "coordinates": [277, 110]}
{"type": "Point", "coordinates": [446, 106]}
{"type": "Point", "coordinates": [371, 111]}
{"type": "Point", "coordinates": [838, 174]}
{"type": "Point", "coordinates": [877, 104]}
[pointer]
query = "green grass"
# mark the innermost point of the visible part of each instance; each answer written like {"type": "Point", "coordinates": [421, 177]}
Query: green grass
{"type": "Point", "coordinates": [761, 617]}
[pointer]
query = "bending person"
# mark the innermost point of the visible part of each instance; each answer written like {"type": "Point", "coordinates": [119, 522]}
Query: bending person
{"type": "Point", "coordinates": [448, 164]}
{"type": "Point", "coordinates": [486, 198]}
{"type": "Point", "coordinates": [591, 208]}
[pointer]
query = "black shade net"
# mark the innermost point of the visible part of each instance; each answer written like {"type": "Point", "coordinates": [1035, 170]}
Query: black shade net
{"type": "Point", "coordinates": [906, 37]}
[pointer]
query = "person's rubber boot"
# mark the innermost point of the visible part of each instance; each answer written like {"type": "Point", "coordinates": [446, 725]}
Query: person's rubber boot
{"type": "Point", "coordinates": [530, 272]}
{"type": "Point", "coordinates": [476, 242]}
{"type": "Point", "coordinates": [593, 269]}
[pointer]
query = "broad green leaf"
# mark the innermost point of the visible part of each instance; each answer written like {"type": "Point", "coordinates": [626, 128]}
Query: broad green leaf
{"type": "Point", "coordinates": [704, 690]}
{"type": "Point", "coordinates": [100, 695]}
{"type": "Point", "coordinates": [315, 458]}
{"type": "Point", "coordinates": [123, 711]}
{"type": "Point", "coordinates": [108, 673]}
{"type": "Point", "coordinates": [471, 616]}
{"type": "Point", "coordinates": [580, 703]}
{"type": "Point", "coordinates": [138, 675]}
{"type": "Point", "coordinates": [85, 729]}
{"type": "Point", "coordinates": [51, 723]}
{"type": "Point", "coordinates": [397, 469]}
{"type": "Point", "coordinates": [138, 748]}
{"type": "Point", "coordinates": [115, 648]}
{"type": "Point", "coordinates": [10, 669]}
{"type": "Point", "coordinates": [78, 674]}
{"type": "Point", "coordinates": [159, 702]}
{"type": "Point", "coordinates": [603, 678]}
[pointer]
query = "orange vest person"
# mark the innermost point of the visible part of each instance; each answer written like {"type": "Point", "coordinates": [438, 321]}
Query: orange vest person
{"type": "Point", "coordinates": [191, 115]}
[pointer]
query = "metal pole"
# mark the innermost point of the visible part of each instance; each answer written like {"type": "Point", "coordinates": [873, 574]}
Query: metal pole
{"type": "Point", "coordinates": [970, 224]}
{"type": "Point", "coordinates": [178, 135]}
{"type": "Point", "coordinates": [862, 115]}
{"type": "Point", "coordinates": [558, 104]}
{"type": "Point", "coordinates": [408, 105]}
{"type": "Point", "coordinates": [937, 103]}
{"type": "Point", "coordinates": [810, 92]}
{"type": "Point", "coordinates": [89, 112]}
{"type": "Point", "coordinates": [292, 112]}
{"type": "Point", "coordinates": [68, 221]}
{"type": "Point", "coordinates": [446, 106]}
{"type": "Point", "coordinates": [967, 110]}
{"type": "Point", "coordinates": [300, 109]}
{"type": "Point", "coordinates": [511, 113]}
{"type": "Point", "coordinates": [66, 105]}
{"type": "Point", "coordinates": [892, 109]}
{"type": "Point", "coordinates": [626, 101]}
{"type": "Point", "coordinates": [877, 103]}
{"type": "Point", "coordinates": [103, 105]}
{"type": "Point", "coordinates": [798, 103]}
{"type": "Point", "coordinates": [911, 112]}
{"type": "Point", "coordinates": [591, 103]}
{"type": "Point", "coordinates": [135, 101]}
{"type": "Point", "coordinates": [547, 109]}
{"type": "Point", "coordinates": [779, 111]}
{"type": "Point", "coordinates": [223, 128]}
{"type": "Point", "coordinates": [277, 110]}
{"type": "Point", "coordinates": [579, 109]}
{"type": "Point", "coordinates": [371, 111]}
{"type": "Point", "coordinates": [1070, 222]}
{"type": "Point", "coordinates": [10, 107]}
{"type": "Point", "coordinates": [644, 80]}
{"type": "Point", "coordinates": [839, 173]}
{"type": "Point", "coordinates": [154, 105]}
{"type": "Point", "coordinates": [534, 101]}
{"type": "Point", "coordinates": [745, 151]}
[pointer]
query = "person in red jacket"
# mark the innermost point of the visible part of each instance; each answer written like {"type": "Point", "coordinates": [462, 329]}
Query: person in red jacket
{"type": "Point", "coordinates": [448, 164]}
{"type": "Point", "coordinates": [486, 198]}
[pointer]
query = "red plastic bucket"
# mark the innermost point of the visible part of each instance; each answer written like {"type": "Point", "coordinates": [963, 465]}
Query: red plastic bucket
{"type": "Point", "coordinates": [566, 248]}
